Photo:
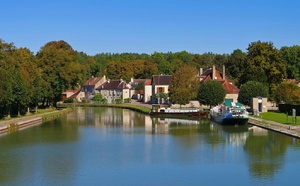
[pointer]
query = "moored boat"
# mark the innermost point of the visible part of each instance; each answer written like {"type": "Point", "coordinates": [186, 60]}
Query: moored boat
{"type": "Point", "coordinates": [163, 111]}
{"type": "Point", "coordinates": [233, 114]}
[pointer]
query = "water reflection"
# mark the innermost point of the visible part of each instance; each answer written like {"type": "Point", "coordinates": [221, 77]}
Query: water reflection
{"type": "Point", "coordinates": [265, 150]}
{"type": "Point", "coordinates": [92, 143]}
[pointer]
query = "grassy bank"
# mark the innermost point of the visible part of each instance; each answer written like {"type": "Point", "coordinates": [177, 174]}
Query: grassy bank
{"type": "Point", "coordinates": [279, 118]}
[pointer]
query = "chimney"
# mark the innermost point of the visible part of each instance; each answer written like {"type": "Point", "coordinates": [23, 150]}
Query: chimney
{"type": "Point", "coordinates": [214, 72]}
{"type": "Point", "coordinates": [223, 72]}
{"type": "Point", "coordinates": [200, 71]}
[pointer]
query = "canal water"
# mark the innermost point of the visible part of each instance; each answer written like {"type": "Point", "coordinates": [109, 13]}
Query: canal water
{"type": "Point", "coordinates": [110, 146]}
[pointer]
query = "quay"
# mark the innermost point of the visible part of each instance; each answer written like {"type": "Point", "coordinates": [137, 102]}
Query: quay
{"type": "Point", "coordinates": [289, 130]}
{"type": "Point", "coordinates": [19, 123]}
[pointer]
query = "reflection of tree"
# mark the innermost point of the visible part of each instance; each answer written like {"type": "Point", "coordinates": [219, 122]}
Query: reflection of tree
{"type": "Point", "coordinates": [190, 134]}
{"type": "Point", "coordinates": [266, 153]}
{"type": "Point", "coordinates": [23, 152]}
{"type": "Point", "coordinates": [187, 135]}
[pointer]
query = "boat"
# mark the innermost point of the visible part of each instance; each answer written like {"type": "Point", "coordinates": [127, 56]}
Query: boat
{"type": "Point", "coordinates": [167, 111]}
{"type": "Point", "coordinates": [233, 113]}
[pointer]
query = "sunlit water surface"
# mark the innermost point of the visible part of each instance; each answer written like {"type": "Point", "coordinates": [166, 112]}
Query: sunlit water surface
{"type": "Point", "coordinates": [109, 146]}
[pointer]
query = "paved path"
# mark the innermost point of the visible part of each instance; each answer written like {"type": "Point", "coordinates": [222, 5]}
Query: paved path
{"type": "Point", "coordinates": [135, 102]}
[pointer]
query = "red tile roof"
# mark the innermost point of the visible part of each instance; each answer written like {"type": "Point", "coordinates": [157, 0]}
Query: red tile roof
{"type": "Point", "coordinates": [161, 79]}
{"type": "Point", "coordinates": [113, 84]}
{"type": "Point", "coordinates": [147, 82]}
{"type": "Point", "coordinates": [92, 81]}
{"type": "Point", "coordinates": [228, 85]}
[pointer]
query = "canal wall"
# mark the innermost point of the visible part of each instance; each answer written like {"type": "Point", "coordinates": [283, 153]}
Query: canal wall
{"type": "Point", "coordinates": [289, 130]}
{"type": "Point", "coordinates": [15, 124]}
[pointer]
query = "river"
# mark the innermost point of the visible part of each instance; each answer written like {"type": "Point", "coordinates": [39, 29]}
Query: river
{"type": "Point", "coordinates": [111, 146]}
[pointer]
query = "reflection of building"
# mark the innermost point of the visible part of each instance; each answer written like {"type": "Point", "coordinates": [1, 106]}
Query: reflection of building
{"type": "Point", "coordinates": [257, 131]}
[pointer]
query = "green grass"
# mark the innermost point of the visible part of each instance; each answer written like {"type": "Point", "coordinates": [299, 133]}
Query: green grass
{"type": "Point", "coordinates": [279, 117]}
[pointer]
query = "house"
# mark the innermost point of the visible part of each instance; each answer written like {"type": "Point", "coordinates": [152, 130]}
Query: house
{"type": "Point", "coordinates": [147, 91]}
{"type": "Point", "coordinates": [133, 92]}
{"type": "Point", "coordinates": [68, 94]}
{"type": "Point", "coordinates": [160, 84]}
{"type": "Point", "coordinates": [91, 85]}
{"type": "Point", "coordinates": [113, 90]}
{"type": "Point", "coordinates": [232, 91]}
{"type": "Point", "coordinates": [79, 95]}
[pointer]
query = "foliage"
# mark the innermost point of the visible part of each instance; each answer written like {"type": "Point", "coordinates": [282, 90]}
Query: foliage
{"type": "Point", "coordinates": [68, 100]}
{"type": "Point", "coordinates": [27, 79]}
{"type": "Point", "coordinates": [287, 92]}
{"type": "Point", "coordinates": [211, 93]}
{"type": "Point", "coordinates": [160, 95]}
{"type": "Point", "coordinates": [118, 101]}
{"type": "Point", "coordinates": [100, 98]}
{"type": "Point", "coordinates": [235, 64]}
{"type": "Point", "coordinates": [291, 57]}
{"type": "Point", "coordinates": [265, 60]}
{"type": "Point", "coordinates": [184, 85]}
{"type": "Point", "coordinates": [139, 87]}
{"type": "Point", "coordinates": [60, 69]}
{"type": "Point", "coordinates": [250, 90]}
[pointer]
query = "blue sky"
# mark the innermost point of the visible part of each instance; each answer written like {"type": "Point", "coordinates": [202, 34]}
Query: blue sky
{"type": "Point", "coordinates": [146, 26]}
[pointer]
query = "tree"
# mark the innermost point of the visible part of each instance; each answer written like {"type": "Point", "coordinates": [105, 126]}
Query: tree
{"type": "Point", "coordinates": [184, 85]}
{"type": "Point", "coordinates": [56, 60]}
{"type": "Point", "coordinates": [150, 68]}
{"type": "Point", "coordinates": [264, 57]}
{"type": "Point", "coordinates": [287, 92]}
{"type": "Point", "coordinates": [250, 90]}
{"type": "Point", "coordinates": [211, 93]}
{"type": "Point", "coordinates": [235, 65]}
{"type": "Point", "coordinates": [291, 57]}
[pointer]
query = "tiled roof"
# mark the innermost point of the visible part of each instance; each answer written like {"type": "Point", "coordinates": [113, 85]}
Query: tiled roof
{"type": "Point", "coordinates": [230, 88]}
{"type": "Point", "coordinates": [113, 84]}
{"type": "Point", "coordinates": [76, 93]}
{"type": "Point", "coordinates": [147, 82]}
{"type": "Point", "coordinates": [227, 84]}
{"type": "Point", "coordinates": [161, 79]}
{"type": "Point", "coordinates": [92, 81]}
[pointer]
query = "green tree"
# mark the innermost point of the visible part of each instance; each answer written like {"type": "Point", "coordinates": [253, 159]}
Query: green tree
{"type": "Point", "coordinates": [150, 68]}
{"type": "Point", "coordinates": [211, 93]}
{"type": "Point", "coordinates": [184, 85]}
{"type": "Point", "coordinates": [220, 60]}
{"type": "Point", "coordinates": [291, 57]}
{"type": "Point", "coordinates": [235, 65]}
{"type": "Point", "coordinates": [265, 58]}
{"type": "Point", "coordinates": [287, 92]}
{"type": "Point", "coordinates": [56, 60]}
{"type": "Point", "coordinates": [250, 90]}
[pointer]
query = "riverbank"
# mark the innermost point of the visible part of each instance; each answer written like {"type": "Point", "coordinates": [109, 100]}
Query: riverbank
{"type": "Point", "coordinates": [289, 130]}
{"type": "Point", "coordinates": [18, 123]}
{"type": "Point", "coordinates": [25, 121]}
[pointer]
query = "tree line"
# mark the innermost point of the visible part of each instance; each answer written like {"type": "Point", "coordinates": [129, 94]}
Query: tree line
{"type": "Point", "coordinates": [28, 80]}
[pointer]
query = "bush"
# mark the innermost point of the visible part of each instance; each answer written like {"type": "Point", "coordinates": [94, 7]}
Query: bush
{"type": "Point", "coordinates": [68, 100]}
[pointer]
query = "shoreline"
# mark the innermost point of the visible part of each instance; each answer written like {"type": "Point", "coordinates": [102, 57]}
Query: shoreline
{"type": "Point", "coordinates": [16, 124]}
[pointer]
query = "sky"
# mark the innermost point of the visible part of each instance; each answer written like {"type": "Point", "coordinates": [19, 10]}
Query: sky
{"type": "Point", "coordinates": [148, 26]}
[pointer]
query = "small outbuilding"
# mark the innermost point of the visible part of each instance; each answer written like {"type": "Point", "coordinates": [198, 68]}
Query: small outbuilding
{"type": "Point", "coordinates": [259, 104]}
